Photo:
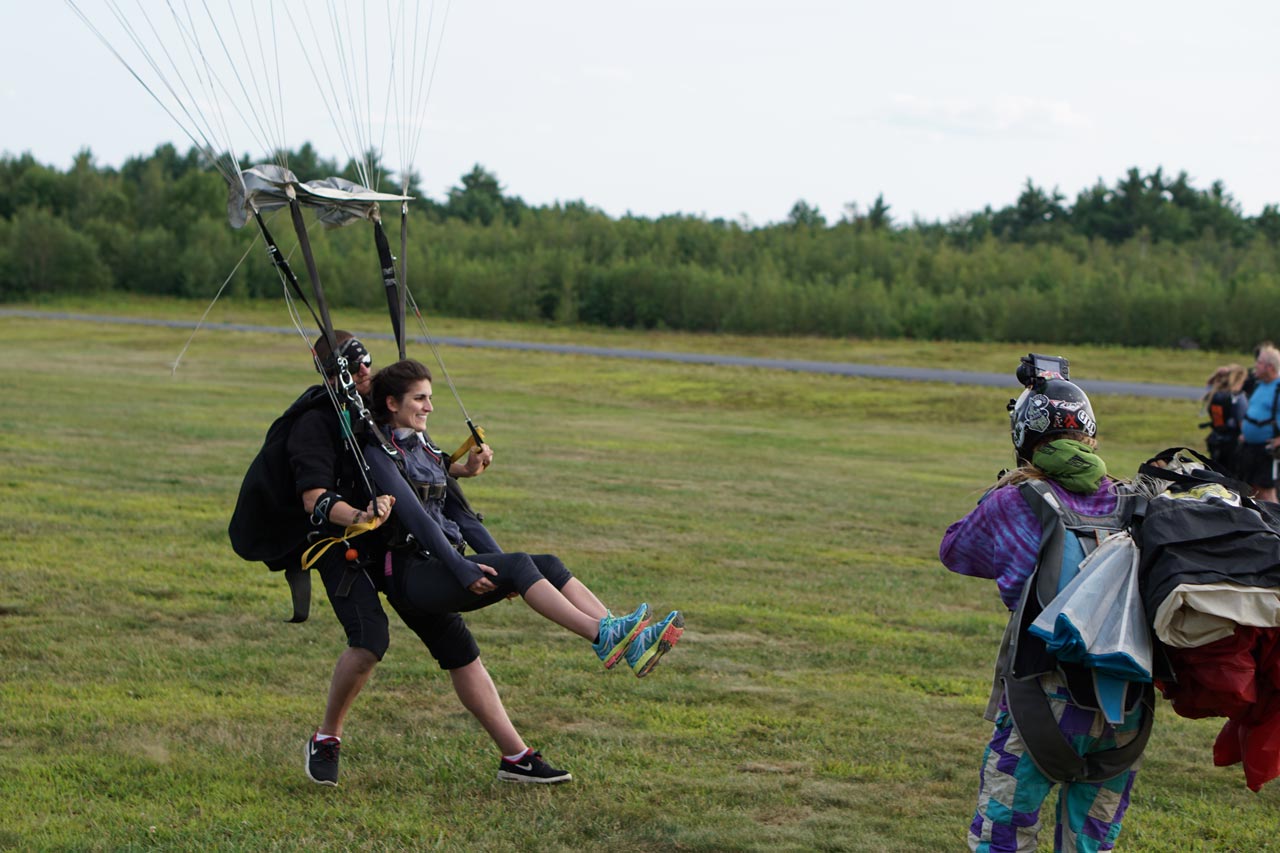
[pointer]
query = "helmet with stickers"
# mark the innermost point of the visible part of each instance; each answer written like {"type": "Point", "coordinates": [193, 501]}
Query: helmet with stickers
{"type": "Point", "coordinates": [1051, 406]}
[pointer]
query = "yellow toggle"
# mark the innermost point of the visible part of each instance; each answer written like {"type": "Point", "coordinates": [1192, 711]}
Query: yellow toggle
{"type": "Point", "coordinates": [466, 446]}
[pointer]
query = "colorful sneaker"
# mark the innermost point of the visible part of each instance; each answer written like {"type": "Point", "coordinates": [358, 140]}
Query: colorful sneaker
{"type": "Point", "coordinates": [653, 642]}
{"type": "Point", "coordinates": [616, 632]}
{"type": "Point", "coordinates": [531, 768]}
{"type": "Point", "coordinates": [322, 760]}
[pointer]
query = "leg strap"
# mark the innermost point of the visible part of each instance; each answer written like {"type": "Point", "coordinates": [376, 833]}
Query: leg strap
{"type": "Point", "coordinates": [1049, 748]}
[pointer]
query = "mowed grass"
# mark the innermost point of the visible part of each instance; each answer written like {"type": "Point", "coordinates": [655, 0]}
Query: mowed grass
{"type": "Point", "coordinates": [827, 694]}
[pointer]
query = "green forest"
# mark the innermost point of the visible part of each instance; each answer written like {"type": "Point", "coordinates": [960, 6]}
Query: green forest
{"type": "Point", "coordinates": [1147, 260]}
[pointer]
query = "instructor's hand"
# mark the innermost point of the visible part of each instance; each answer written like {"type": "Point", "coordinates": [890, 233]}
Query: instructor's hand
{"type": "Point", "coordinates": [484, 585]}
{"type": "Point", "coordinates": [377, 510]}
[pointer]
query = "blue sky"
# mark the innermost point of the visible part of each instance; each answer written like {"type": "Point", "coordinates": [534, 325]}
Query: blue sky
{"type": "Point", "coordinates": [738, 109]}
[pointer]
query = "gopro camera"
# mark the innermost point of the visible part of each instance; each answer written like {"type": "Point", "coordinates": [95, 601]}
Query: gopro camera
{"type": "Point", "coordinates": [1034, 366]}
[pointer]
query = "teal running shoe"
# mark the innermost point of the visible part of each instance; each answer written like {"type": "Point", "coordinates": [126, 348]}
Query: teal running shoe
{"type": "Point", "coordinates": [617, 632]}
{"type": "Point", "coordinates": [653, 642]}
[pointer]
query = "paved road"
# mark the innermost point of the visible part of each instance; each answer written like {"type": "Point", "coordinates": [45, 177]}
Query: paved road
{"type": "Point", "coordinates": [915, 374]}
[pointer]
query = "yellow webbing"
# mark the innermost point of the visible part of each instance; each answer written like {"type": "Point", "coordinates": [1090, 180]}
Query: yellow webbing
{"type": "Point", "coordinates": [352, 531]}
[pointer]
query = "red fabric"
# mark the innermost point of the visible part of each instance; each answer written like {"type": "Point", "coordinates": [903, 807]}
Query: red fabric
{"type": "Point", "coordinates": [1237, 677]}
{"type": "Point", "coordinates": [1217, 679]}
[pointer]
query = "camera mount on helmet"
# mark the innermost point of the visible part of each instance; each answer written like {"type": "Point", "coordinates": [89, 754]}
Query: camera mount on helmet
{"type": "Point", "coordinates": [1034, 366]}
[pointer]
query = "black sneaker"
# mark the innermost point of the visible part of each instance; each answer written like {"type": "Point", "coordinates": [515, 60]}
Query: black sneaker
{"type": "Point", "coordinates": [322, 760]}
{"type": "Point", "coordinates": [531, 768]}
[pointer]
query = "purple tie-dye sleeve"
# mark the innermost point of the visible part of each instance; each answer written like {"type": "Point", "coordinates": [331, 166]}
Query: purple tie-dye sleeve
{"type": "Point", "coordinates": [999, 540]}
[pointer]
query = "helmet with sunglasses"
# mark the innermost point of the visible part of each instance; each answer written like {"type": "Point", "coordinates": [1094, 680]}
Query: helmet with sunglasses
{"type": "Point", "coordinates": [1049, 406]}
{"type": "Point", "coordinates": [349, 348]}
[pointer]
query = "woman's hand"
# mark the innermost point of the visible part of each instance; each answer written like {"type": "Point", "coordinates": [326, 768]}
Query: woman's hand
{"type": "Point", "coordinates": [483, 585]}
{"type": "Point", "coordinates": [477, 460]}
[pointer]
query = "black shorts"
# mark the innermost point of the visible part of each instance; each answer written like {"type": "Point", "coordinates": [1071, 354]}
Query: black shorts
{"type": "Point", "coordinates": [446, 636]}
{"type": "Point", "coordinates": [1256, 466]}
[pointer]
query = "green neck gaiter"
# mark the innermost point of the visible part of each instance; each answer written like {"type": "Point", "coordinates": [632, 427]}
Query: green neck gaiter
{"type": "Point", "coordinates": [1071, 463]}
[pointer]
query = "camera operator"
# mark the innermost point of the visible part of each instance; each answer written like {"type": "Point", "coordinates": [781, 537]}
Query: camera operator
{"type": "Point", "coordinates": [1047, 722]}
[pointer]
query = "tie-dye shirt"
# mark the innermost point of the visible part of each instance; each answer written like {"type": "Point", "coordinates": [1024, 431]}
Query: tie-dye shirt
{"type": "Point", "coordinates": [1000, 538]}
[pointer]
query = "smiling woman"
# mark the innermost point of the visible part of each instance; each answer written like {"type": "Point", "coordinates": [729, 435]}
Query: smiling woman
{"type": "Point", "coordinates": [429, 581]}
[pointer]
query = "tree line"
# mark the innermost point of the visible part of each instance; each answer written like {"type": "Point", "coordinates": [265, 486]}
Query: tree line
{"type": "Point", "coordinates": [1148, 260]}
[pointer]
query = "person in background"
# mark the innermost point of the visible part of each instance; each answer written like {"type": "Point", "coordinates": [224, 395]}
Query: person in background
{"type": "Point", "coordinates": [1251, 379]}
{"type": "Point", "coordinates": [1226, 405]}
{"type": "Point", "coordinates": [1255, 460]}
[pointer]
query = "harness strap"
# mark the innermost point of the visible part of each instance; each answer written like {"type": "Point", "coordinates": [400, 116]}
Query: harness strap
{"type": "Point", "coordinates": [1049, 748]}
{"type": "Point", "coordinates": [1275, 406]}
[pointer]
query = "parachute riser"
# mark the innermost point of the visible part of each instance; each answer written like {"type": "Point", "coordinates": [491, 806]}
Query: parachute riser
{"type": "Point", "coordinates": [304, 243]}
{"type": "Point", "coordinates": [391, 285]}
{"type": "Point", "coordinates": [404, 265]}
{"type": "Point", "coordinates": [282, 264]}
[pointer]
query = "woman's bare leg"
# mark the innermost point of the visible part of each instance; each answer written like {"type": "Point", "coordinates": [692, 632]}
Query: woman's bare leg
{"type": "Point", "coordinates": [479, 695]}
{"type": "Point", "coordinates": [551, 603]}
{"type": "Point", "coordinates": [583, 599]}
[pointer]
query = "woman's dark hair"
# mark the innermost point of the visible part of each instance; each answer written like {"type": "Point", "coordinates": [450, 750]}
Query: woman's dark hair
{"type": "Point", "coordinates": [394, 380]}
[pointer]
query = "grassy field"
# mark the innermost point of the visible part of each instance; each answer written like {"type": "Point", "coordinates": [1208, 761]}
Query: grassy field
{"type": "Point", "coordinates": [827, 694]}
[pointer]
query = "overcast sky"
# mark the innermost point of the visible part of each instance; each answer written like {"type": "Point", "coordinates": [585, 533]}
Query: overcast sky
{"type": "Point", "coordinates": [738, 109]}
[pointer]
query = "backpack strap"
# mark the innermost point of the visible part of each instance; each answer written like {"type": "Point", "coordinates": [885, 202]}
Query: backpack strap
{"type": "Point", "coordinates": [1040, 496]}
{"type": "Point", "coordinates": [1049, 748]}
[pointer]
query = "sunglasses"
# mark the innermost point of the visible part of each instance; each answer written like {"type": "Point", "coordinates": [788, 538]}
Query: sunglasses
{"type": "Point", "coordinates": [356, 355]}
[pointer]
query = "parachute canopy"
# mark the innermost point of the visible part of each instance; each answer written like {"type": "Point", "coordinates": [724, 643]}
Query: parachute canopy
{"type": "Point", "coordinates": [336, 201]}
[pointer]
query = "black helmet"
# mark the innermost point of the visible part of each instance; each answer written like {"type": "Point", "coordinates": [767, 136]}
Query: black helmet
{"type": "Point", "coordinates": [1051, 406]}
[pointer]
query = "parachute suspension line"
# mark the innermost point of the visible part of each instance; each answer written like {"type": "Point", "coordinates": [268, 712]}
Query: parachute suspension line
{"type": "Point", "coordinates": [190, 40]}
{"type": "Point", "coordinates": [346, 69]}
{"type": "Point", "coordinates": [372, 168]}
{"type": "Point", "coordinates": [372, 155]}
{"type": "Point", "coordinates": [266, 140]}
{"type": "Point", "coordinates": [204, 145]}
{"type": "Point", "coordinates": [477, 434]}
{"type": "Point", "coordinates": [199, 325]}
{"type": "Point", "coordinates": [273, 127]}
{"type": "Point", "coordinates": [207, 80]}
{"type": "Point", "coordinates": [426, 80]}
{"type": "Point", "coordinates": [283, 157]}
{"type": "Point", "coordinates": [331, 105]}
{"type": "Point", "coordinates": [386, 101]}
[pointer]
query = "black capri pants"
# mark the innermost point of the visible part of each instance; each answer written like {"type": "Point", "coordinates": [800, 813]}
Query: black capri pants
{"type": "Point", "coordinates": [426, 583]}
{"type": "Point", "coordinates": [445, 635]}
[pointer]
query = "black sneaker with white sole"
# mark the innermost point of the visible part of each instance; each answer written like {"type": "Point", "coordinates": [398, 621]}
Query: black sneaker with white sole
{"type": "Point", "coordinates": [531, 768]}
{"type": "Point", "coordinates": [322, 760]}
